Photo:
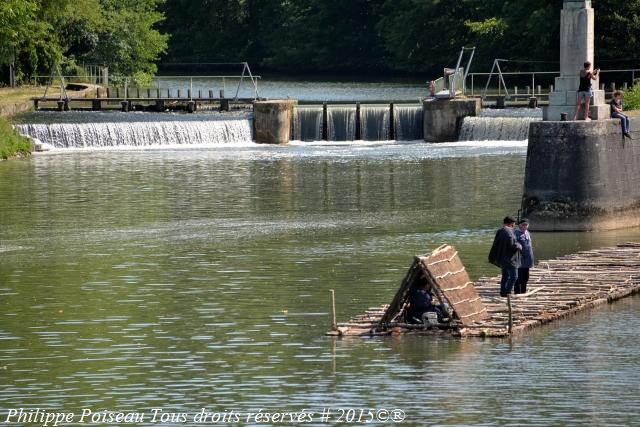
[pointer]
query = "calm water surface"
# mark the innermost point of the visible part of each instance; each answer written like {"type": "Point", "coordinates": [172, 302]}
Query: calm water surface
{"type": "Point", "coordinates": [189, 279]}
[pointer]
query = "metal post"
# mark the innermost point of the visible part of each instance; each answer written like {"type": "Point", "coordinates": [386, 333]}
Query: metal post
{"type": "Point", "coordinates": [334, 324]}
{"type": "Point", "coordinates": [325, 117]}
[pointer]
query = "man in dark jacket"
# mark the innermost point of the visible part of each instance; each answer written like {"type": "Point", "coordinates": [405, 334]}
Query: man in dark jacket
{"type": "Point", "coordinates": [505, 253]}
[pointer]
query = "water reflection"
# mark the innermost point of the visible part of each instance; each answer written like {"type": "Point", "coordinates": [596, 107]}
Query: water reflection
{"type": "Point", "coordinates": [189, 279]}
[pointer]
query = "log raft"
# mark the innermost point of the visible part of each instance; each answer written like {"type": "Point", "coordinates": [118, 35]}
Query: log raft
{"type": "Point", "coordinates": [557, 289]}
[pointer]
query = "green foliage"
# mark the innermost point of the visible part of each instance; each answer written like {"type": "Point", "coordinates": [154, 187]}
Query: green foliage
{"type": "Point", "coordinates": [632, 97]}
{"type": "Point", "coordinates": [120, 34]}
{"type": "Point", "coordinates": [11, 143]}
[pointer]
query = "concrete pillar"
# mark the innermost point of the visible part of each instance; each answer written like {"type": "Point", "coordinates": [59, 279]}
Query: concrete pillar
{"type": "Point", "coordinates": [272, 121]}
{"type": "Point", "coordinates": [576, 47]}
{"type": "Point", "coordinates": [443, 117]}
{"type": "Point", "coordinates": [581, 176]}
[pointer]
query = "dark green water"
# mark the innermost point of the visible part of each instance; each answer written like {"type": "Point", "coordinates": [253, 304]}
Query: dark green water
{"type": "Point", "coordinates": [189, 279]}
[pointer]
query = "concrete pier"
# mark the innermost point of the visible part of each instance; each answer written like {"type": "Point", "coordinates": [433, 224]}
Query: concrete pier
{"type": "Point", "coordinates": [272, 121]}
{"type": "Point", "coordinates": [582, 176]}
{"type": "Point", "coordinates": [443, 117]}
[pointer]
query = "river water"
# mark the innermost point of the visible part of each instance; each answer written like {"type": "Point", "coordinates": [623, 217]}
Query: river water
{"type": "Point", "coordinates": [199, 278]}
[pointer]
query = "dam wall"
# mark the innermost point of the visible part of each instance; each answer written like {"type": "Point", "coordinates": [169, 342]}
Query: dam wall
{"type": "Point", "coordinates": [582, 176]}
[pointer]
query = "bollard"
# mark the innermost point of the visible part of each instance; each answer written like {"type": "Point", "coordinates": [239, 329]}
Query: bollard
{"type": "Point", "coordinates": [224, 105]}
{"type": "Point", "coordinates": [35, 104]}
{"type": "Point", "coordinates": [60, 105]}
{"type": "Point", "coordinates": [66, 105]}
{"type": "Point", "coordinates": [97, 92]}
{"type": "Point", "coordinates": [178, 93]}
{"type": "Point", "coordinates": [500, 102]}
{"type": "Point", "coordinates": [191, 106]}
{"type": "Point", "coordinates": [533, 102]}
{"type": "Point", "coordinates": [199, 94]}
{"type": "Point", "coordinates": [125, 106]}
{"type": "Point", "coordinates": [221, 93]}
{"type": "Point", "coordinates": [96, 105]}
{"type": "Point", "coordinates": [160, 105]}
{"type": "Point", "coordinates": [108, 93]}
{"type": "Point", "coordinates": [563, 117]}
{"type": "Point", "coordinates": [158, 93]}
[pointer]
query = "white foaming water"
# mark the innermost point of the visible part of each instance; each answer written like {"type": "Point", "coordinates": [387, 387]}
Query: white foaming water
{"type": "Point", "coordinates": [375, 123]}
{"type": "Point", "coordinates": [535, 113]}
{"type": "Point", "coordinates": [495, 128]}
{"type": "Point", "coordinates": [142, 133]}
{"type": "Point", "coordinates": [408, 123]}
{"type": "Point", "coordinates": [307, 124]}
{"type": "Point", "coordinates": [341, 123]}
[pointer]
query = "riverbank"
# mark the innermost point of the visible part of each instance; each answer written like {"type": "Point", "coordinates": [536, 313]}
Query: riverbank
{"type": "Point", "coordinates": [16, 101]}
{"type": "Point", "coordinates": [12, 144]}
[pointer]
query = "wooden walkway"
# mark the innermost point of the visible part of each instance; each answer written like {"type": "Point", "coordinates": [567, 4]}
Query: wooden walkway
{"type": "Point", "coordinates": [557, 288]}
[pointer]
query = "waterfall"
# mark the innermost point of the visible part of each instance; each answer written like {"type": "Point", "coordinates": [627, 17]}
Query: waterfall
{"type": "Point", "coordinates": [375, 123]}
{"type": "Point", "coordinates": [495, 128]}
{"type": "Point", "coordinates": [408, 123]}
{"type": "Point", "coordinates": [125, 130]}
{"type": "Point", "coordinates": [341, 123]}
{"type": "Point", "coordinates": [307, 124]}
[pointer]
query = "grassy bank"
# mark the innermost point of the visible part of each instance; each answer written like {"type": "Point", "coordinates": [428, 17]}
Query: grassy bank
{"type": "Point", "coordinates": [11, 143]}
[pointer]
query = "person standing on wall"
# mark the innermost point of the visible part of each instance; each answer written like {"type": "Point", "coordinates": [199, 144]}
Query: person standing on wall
{"type": "Point", "coordinates": [526, 260]}
{"type": "Point", "coordinates": [505, 253]}
{"type": "Point", "coordinates": [616, 112]}
{"type": "Point", "coordinates": [585, 91]}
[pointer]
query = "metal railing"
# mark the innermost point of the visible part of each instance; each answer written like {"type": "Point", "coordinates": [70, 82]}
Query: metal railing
{"type": "Point", "coordinates": [471, 79]}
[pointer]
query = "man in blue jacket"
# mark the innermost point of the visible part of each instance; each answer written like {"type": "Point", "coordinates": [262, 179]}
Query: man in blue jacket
{"type": "Point", "coordinates": [505, 253]}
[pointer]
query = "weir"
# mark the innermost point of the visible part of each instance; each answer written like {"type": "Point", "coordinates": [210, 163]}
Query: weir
{"type": "Point", "coordinates": [134, 132]}
{"type": "Point", "coordinates": [499, 124]}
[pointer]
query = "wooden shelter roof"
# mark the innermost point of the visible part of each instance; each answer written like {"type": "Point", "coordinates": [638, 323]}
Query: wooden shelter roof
{"type": "Point", "coordinates": [450, 283]}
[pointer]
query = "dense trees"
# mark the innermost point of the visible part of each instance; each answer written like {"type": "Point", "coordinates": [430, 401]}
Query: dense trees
{"type": "Point", "coordinates": [383, 35]}
{"type": "Point", "coordinates": [117, 33]}
{"type": "Point", "coordinates": [294, 36]}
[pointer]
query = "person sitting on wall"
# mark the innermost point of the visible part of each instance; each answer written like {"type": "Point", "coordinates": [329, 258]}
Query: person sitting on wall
{"type": "Point", "coordinates": [616, 112]}
{"type": "Point", "coordinates": [421, 302]}
{"type": "Point", "coordinates": [585, 91]}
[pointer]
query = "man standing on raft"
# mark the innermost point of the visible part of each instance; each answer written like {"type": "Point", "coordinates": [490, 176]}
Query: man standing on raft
{"type": "Point", "coordinates": [505, 253]}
